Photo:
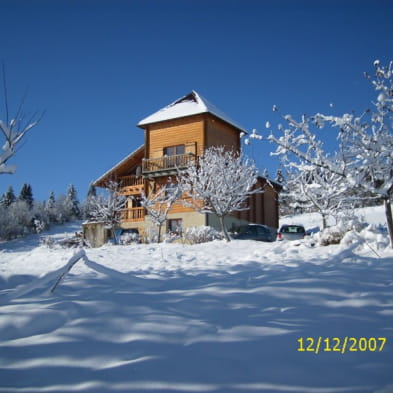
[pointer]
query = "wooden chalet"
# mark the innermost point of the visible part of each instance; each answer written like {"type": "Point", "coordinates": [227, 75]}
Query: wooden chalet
{"type": "Point", "coordinates": [174, 137]}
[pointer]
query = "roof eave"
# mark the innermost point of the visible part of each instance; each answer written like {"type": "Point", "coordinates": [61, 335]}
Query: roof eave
{"type": "Point", "coordinates": [204, 107]}
{"type": "Point", "coordinates": [238, 127]}
{"type": "Point", "coordinates": [118, 165]}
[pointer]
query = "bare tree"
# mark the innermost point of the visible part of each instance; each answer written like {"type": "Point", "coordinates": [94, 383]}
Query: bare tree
{"type": "Point", "coordinates": [158, 204]}
{"type": "Point", "coordinates": [364, 159]}
{"type": "Point", "coordinates": [13, 130]}
{"type": "Point", "coordinates": [316, 189]}
{"type": "Point", "coordinates": [368, 142]}
{"type": "Point", "coordinates": [219, 183]}
{"type": "Point", "coordinates": [108, 210]}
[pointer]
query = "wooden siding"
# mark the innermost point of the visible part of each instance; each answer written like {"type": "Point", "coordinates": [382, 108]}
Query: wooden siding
{"type": "Point", "coordinates": [219, 133]}
{"type": "Point", "coordinates": [259, 210]}
{"type": "Point", "coordinates": [186, 131]}
{"type": "Point", "coordinates": [263, 207]}
{"type": "Point", "coordinates": [270, 207]}
{"type": "Point", "coordinates": [178, 207]}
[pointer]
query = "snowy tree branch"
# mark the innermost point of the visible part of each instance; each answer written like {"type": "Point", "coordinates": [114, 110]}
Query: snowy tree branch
{"type": "Point", "coordinates": [13, 131]}
{"type": "Point", "coordinates": [220, 183]}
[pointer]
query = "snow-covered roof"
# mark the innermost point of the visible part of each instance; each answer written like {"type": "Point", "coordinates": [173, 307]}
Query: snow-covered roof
{"type": "Point", "coordinates": [190, 104]}
{"type": "Point", "coordinates": [119, 164]}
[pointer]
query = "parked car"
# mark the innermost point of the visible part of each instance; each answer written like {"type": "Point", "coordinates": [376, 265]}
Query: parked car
{"type": "Point", "coordinates": [255, 232]}
{"type": "Point", "coordinates": [291, 232]}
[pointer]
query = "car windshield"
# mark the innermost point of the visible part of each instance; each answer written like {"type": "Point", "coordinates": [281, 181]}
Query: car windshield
{"type": "Point", "coordinates": [292, 229]}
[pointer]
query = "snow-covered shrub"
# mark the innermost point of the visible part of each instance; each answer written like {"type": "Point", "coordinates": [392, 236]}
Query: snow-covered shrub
{"type": "Point", "coordinates": [331, 235]}
{"type": "Point", "coordinates": [129, 238]}
{"type": "Point", "coordinates": [16, 220]}
{"type": "Point", "coordinates": [347, 221]}
{"type": "Point", "coordinates": [19, 219]}
{"type": "Point", "coordinates": [48, 241]}
{"type": "Point", "coordinates": [75, 241]}
{"type": "Point", "coordinates": [150, 235]}
{"type": "Point", "coordinates": [201, 234]}
{"type": "Point", "coordinates": [171, 237]}
{"type": "Point", "coordinates": [373, 236]}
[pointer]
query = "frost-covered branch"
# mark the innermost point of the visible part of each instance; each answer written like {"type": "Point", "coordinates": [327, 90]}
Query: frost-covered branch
{"type": "Point", "coordinates": [107, 210]}
{"type": "Point", "coordinates": [219, 183]}
{"type": "Point", "coordinates": [323, 191]}
{"type": "Point", "coordinates": [368, 142]}
{"type": "Point", "coordinates": [302, 142]}
{"type": "Point", "coordinates": [13, 131]}
{"type": "Point", "coordinates": [364, 159]}
{"type": "Point", "coordinates": [158, 204]}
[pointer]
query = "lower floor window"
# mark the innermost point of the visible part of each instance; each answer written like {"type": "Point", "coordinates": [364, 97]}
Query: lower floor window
{"type": "Point", "coordinates": [175, 226]}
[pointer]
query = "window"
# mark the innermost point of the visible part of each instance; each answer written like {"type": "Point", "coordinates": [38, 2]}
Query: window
{"type": "Point", "coordinates": [174, 150]}
{"type": "Point", "coordinates": [261, 231]}
{"type": "Point", "coordinates": [293, 229]}
{"type": "Point", "coordinates": [175, 226]}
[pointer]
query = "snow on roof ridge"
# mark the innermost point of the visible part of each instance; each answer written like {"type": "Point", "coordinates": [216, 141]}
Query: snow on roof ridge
{"type": "Point", "coordinates": [183, 107]}
{"type": "Point", "coordinates": [211, 108]}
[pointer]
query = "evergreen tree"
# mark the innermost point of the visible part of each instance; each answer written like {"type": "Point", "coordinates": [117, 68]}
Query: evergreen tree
{"type": "Point", "coordinates": [50, 207]}
{"type": "Point", "coordinates": [92, 192]}
{"type": "Point", "coordinates": [26, 194]}
{"type": "Point", "coordinates": [8, 198]}
{"type": "Point", "coordinates": [71, 203]}
{"type": "Point", "coordinates": [89, 205]}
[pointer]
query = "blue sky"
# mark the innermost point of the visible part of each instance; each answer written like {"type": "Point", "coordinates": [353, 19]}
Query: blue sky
{"type": "Point", "coordinates": [98, 67]}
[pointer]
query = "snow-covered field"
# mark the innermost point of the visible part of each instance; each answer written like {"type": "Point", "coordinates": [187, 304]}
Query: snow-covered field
{"type": "Point", "coordinates": [217, 317]}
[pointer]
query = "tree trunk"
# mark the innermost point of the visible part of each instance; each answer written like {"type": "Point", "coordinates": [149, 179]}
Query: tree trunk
{"type": "Point", "coordinates": [159, 233]}
{"type": "Point", "coordinates": [224, 230]}
{"type": "Point", "coordinates": [324, 223]}
{"type": "Point", "coordinates": [114, 235]}
{"type": "Point", "coordinates": [389, 218]}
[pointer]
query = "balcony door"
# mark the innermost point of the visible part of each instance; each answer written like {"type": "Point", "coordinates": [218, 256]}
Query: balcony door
{"type": "Point", "coordinates": [174, 150]}
{"type": "Point", "coordinates": [174, 156]}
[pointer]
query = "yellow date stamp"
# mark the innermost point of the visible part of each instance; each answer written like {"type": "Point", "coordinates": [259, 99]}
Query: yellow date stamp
{"type": "Point", "coordinates": [341, 344]}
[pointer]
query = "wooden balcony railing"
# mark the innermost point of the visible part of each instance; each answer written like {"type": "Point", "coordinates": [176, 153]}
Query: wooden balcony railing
{"type": "Point", "coordinates": [131, 184]}
{"type": "Point", "coordinates": [131, 180]}
{"type": "Point", "coordinates": [167, 163]}
{"type": "Point", "coordinates": [133, 214]}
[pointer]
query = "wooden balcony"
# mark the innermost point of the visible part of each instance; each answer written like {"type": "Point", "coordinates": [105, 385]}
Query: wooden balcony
{"type": "Point", "coordinates": [166, 165]}
{"type": "Point", "coordinates": [133, 214]}
{"type": "Point", "coordinates": [130, 185]}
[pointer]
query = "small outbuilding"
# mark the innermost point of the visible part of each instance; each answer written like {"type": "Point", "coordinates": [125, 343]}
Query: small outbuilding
{"type": "Point", "coordinates": [96, 233]}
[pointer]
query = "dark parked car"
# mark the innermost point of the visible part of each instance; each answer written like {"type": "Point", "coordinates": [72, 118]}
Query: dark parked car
{"type": "Point", "coordinates": [291, 232]}
{"type": "Point", "coordinates": [255, 232]}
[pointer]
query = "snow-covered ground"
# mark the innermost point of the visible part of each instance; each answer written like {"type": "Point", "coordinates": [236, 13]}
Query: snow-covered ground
{"type": "Point", "coordinates": [216, 317]}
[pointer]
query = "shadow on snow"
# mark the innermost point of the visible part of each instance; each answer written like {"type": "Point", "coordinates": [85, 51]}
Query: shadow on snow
{"type": "Point", "coordinates": [217, 331]}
